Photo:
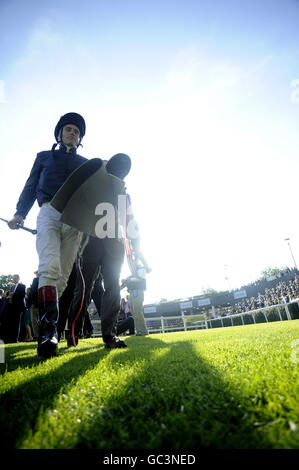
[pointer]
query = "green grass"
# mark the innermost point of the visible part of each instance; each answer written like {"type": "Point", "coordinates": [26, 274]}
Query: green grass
{"type": "Point", "coordinates": [234, 387]}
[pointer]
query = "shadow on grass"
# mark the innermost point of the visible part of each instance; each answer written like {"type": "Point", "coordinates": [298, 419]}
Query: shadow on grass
{"type": "Point", "coordinates": [21, 405]}
{"type": "Point", "coordinates": [20, 355]}
{"type": "Point", "coordinates": [177, 401]}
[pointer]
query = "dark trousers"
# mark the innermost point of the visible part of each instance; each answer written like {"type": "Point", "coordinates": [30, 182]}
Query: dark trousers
{"type": "Point", "coordinates": [111, 298]}
{"type": "Point", "coordinates": [12, 323]}
{"type": "Point", "coordinates": [97, 294]}
{"type": "Point", "coordinates": [97, 260]}
{"type": "Point", "coordinates": [80, 303]}
{"type": "Point", "coordinates": [73, 293]}
{"type": "Point", "coordinates": [87, 326]}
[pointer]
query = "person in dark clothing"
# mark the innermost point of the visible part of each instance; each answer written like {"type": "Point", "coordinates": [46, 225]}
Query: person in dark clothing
{"type": "Point", "coordinates": [66, 300]}
{"type": "Point", "coordinates": [14, 311]}
{"type": "Point", "coordinates": [2, 302]}
{"type": "Point", "coordinates": [105, 257]}
{"type": "Point", "coordinates": [57, 243]}
{"type": "Point", "coordinates": [100, 257]}
{"type": "Point", "coordinates": [3, 307]}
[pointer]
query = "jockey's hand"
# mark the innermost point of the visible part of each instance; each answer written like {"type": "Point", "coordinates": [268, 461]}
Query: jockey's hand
{"type": "Point", "coordinates": [17, 220]}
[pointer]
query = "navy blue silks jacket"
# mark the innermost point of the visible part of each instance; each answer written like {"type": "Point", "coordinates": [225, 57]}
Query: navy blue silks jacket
{"type": "Point", "coordinates": [50, 170]}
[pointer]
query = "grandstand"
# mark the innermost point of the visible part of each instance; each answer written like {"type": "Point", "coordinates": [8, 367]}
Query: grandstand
{"type": "Point", "coordinates": [271, 299]}
{"type": "Point", "coordinates": [275, 298]}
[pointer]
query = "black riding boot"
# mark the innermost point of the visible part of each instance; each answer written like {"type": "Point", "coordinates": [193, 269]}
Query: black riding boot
{"type": "Point", "coordinates": [48, 313]}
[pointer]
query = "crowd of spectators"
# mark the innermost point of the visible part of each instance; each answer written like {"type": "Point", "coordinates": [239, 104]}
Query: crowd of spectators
{"type": "Point", "coordinates": [15, 315]}
{"type": "Point", "coordinates": [18, 306]}
{"type": "Point", "coordinates": [260, 283]}
{"type": "Point", "coordinates": [19, 314]}
{"type": "Point", "coordinates": [282, 292]}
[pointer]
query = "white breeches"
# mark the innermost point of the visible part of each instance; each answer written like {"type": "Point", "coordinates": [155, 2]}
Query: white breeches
{"type": "Point", "coordinates": [57, 246]}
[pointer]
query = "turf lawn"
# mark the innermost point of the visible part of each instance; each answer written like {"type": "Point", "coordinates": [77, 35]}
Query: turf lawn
{"type": "Point", "coordinates": [233, 388]}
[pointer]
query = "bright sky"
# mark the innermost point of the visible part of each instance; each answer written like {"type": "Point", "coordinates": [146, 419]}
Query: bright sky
{"type": "Point", "coordinates": [203, 96]}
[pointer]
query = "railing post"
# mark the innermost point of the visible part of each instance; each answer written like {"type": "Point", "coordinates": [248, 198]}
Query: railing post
{"type": "Point", "coordinates": [265, 317]}
{"type": "Point", "coordinates": [287, 312]}
{"type": "Point", "coordinates": [2, 352]}
{"type": "Point", "coordinates": [184, 321]}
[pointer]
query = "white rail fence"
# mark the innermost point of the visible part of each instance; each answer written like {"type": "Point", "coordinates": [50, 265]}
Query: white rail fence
{"type": "Point", "coordinates": [279, 312]}
{"type": "Point", "coordinates": [162, 324]}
